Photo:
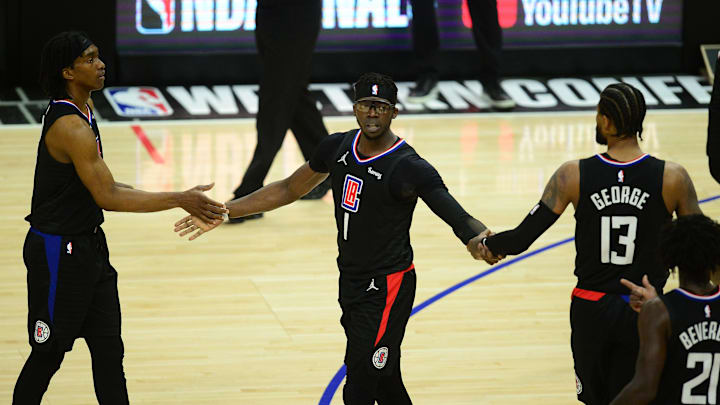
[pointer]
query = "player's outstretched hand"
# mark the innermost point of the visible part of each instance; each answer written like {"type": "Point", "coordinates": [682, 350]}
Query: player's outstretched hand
{"type": "Point", "coordinates": [197, 204]}
{"type": "Point", "coordinates": [190, 224]}
{"type": "Point", "coordinates": [479, 251]}
{"type": "Point", "coordinates": [639, 294]}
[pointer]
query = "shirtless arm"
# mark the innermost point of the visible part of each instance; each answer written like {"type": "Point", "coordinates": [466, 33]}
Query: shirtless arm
{"type": "Point", "coordinates": [679, 191]}
{"type": "Point", "coordinates": [562, 189]}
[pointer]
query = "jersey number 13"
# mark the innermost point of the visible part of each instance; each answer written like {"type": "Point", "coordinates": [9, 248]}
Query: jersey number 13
{"type": "Point", "coordinates": [627, 239]}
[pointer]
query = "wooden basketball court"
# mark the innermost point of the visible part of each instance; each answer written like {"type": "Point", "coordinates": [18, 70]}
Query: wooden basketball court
{"type": "Point", "coordinates": [248, 313]}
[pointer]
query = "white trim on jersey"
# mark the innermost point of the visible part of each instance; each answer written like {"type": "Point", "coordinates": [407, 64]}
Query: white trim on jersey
{"type": "Point", "coordinates": [88, 115]}
{"type": "Point", "coordinates": [622, 164]}
{"type": "Point", "coordinates": [370, 159]}
{"type": "Point", "coordinates": [699, 297]}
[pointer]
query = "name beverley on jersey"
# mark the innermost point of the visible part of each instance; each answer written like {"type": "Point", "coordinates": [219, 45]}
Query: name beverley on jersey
{"type": "Point", "coordinates": [619, 195]}
{"type": "Point", "coordinates": [705, 330]}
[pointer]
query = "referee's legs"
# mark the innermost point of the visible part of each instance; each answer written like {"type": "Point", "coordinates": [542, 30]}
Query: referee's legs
{"type": "Point", "coordinates": [715, 168]}
{"type": "Point", "coordinates": [35, 376]}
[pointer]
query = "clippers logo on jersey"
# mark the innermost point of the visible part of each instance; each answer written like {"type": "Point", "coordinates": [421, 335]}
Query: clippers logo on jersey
{"type": "Point", "coordinates": [379, 358]}
{"type": "Point", "coordinates": [138, 102]}
{"type": "Point", "coordinates": [351, 191]}
{"type": "Point", "coordinates": [42, 332]}
{"type": "Point", "coordinates": [621, 176]}
{"type": "Point", "coordinates": [68, 248]}
{"type": "Point", "coordinates": [155, 16]}
{"type": "Point", "coordinates": [374, 89]}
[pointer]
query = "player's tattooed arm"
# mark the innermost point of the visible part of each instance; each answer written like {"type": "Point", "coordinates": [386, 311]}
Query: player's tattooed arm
{"type": "Point", "coordinates": [563, 187]}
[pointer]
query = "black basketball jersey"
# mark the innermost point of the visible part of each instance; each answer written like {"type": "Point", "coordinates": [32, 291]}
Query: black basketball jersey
{"type": "Point", "coordinates": [373, 226]}
{"type": "Point", "coordinates": [61, 204]}
{"type": "Point", "coordinates": [619, 217]}
{"type": "Point", "coordinates": [692, 363]}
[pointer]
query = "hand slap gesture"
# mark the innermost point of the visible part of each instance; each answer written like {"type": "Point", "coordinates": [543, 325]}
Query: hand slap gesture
{"type": "Point", "coordinates": [197, 204]}
{"type": "Point", "coordinates": [190, 224]}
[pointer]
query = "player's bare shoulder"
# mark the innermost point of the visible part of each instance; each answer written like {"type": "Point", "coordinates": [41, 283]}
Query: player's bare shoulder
{"type": "Point", "coordinates": [68, 134]}
{"type": "Point", "coordinates": [570, 169]}
{"type": "Point", "coordinates": [678, 190]}
{"type": "Point", "coordinates": [674, 173]}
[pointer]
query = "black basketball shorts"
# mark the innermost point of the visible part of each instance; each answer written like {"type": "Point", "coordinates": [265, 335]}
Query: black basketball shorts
{"type": "Point", "coordinates": [604, 344]}
{"type": "Point", "coordinates": [375, 313]}
{"type": "Point", "coordinates": [72, 289]}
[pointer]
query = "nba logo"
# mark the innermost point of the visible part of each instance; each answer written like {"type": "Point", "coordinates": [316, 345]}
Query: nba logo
{"type": "Point", "coordinates": [138, 102]}
{"type": "Point", "coordinates": [351, 191]}
{"type": "Point", "coordinates": [374, 89]}
{"type": "Point", "coordinates": [155, 16]}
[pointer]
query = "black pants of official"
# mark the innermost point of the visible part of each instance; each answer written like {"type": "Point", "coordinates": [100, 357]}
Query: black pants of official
{"type": "Point", "coordinates": [285, 38]}
{"type": "Point", "coordinates": [485, 28]}
{"type": "Point", "coordinates": [713, 141]}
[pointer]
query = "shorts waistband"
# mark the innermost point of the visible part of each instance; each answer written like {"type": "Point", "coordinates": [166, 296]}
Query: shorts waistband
{"type": "Point", "coordinates": [93, 231]}
{"type": "Point", "coordinates": [591, 295]}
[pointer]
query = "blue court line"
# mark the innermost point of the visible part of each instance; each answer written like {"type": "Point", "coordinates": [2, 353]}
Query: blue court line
{"type": "Point", "coordinates": [334, 383]}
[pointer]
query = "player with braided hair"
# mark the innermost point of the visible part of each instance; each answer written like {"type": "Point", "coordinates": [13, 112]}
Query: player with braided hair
{"type": "Point", "coordinates": [622, 198]}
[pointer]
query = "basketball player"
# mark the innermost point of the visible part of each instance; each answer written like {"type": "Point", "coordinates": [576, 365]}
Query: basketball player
{"type": "Point", "coordinates": [376, 180]}
{"type": "Point", "coordinates": [679, 358]}
{"type": "Point", "coordinates": [72, 287]}
{"type": "Point", "coordinates": [622, 198]}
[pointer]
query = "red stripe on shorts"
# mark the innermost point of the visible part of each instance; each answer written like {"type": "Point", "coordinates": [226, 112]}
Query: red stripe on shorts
{"type": "Point", "coordinates": [587, 294]}
{"type": "Point", "coordinates": [394, 281]}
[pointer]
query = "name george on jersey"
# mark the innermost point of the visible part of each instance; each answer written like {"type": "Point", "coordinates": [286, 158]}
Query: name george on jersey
{"type": "Point", "coordinates": [619, 195]}
{"type": "Point", "coordinates": [700, 332]}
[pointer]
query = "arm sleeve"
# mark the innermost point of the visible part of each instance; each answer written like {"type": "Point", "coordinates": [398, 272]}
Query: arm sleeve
{"type": "Point", "coordinates": [518, 240]}
{"type": "Point", "coordinates": [417, 178]}
{"type": "Point", "coordinates": [324, 153]}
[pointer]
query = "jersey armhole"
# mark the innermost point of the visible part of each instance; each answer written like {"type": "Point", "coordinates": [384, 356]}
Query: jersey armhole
{"type": "Point", "coordinates": [580, 204]}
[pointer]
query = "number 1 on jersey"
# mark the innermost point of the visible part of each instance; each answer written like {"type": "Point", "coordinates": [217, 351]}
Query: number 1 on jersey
{"type": "Point", "coordinates": [346, 222]}
{"type": "Point", "coordinates": [628, 240]}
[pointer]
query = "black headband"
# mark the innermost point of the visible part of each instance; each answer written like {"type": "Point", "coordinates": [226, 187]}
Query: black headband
{"type": "Point", "coordinates": [365, 90]}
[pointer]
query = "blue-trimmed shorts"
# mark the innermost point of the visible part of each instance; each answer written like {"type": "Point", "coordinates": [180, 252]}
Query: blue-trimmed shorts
{"type": "Point", "coordinates": [72, 289]}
